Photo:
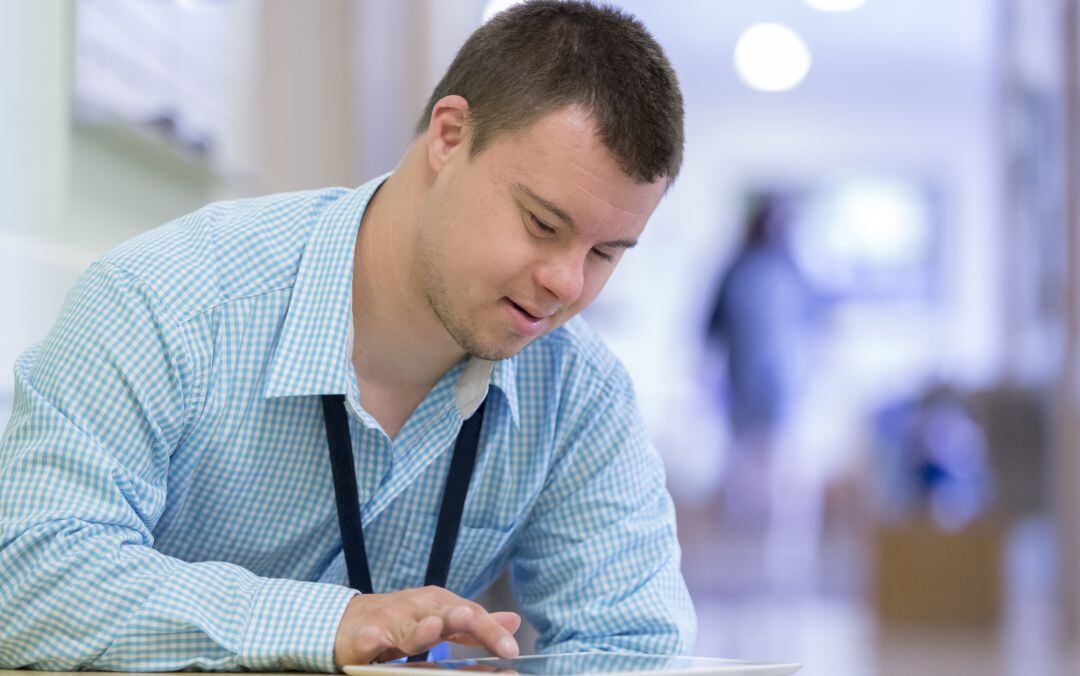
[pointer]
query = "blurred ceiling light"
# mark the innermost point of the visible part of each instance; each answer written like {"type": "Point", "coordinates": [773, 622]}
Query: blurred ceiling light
{"type": "Point", "coordinates": [771, 57]}
{"type": "Point", "coordinates": [883, 221]}
{"type": "Point", "coordinates": [495, 6]}
{"type": "Point", "coordinates": [835, 5]}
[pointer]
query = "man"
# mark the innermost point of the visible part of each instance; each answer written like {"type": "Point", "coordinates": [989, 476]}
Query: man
{"type": "Point", "coordinates": [168, 499]}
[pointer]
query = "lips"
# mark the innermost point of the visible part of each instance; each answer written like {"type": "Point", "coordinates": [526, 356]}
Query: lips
{"type": "Point", "coordinates": [531, 315]}
{"type": "Point", "coordinates": [526, 322]}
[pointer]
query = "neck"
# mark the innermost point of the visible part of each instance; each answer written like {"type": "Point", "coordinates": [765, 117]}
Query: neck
{"type": "Point", "coordinates": [399, 342]}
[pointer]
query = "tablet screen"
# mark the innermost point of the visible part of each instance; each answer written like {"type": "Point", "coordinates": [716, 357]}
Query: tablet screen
{"type": "Point", "coordinates": [574, 664]}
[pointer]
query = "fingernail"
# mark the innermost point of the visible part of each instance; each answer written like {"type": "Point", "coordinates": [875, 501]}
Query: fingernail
{"type": "Point", "coordinates": [508, 647]}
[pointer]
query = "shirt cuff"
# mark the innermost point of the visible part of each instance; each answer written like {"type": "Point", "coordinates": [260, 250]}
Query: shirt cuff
{"type": "Point", "coordinates": [293, 626]}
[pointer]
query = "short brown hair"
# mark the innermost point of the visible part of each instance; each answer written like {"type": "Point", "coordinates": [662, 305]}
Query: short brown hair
{"type": "Point", "coordinates": [538, 56]}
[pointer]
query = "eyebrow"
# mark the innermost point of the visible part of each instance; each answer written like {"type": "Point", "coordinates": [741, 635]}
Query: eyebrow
{"type": "Point", "coordinates": [565, 218]}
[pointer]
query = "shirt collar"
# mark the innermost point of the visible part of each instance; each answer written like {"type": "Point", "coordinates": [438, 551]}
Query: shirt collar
{"type": "Point", "coordinates": [472, 385]}
{"type": "Point", "coordinates": [313, 354]}
{"type": "Point", "coordinates": [504, 377]}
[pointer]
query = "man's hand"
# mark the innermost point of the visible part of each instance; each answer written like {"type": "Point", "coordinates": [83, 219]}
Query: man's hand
{"type": "Point", "coordinates": [381, 627]}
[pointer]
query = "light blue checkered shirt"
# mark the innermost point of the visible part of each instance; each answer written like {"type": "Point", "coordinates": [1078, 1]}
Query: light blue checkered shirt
{"type": "Point", "coordinates": [166, 500]}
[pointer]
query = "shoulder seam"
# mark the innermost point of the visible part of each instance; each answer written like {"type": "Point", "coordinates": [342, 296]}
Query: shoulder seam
{"type": "Point", "coordinates": [177, 329]}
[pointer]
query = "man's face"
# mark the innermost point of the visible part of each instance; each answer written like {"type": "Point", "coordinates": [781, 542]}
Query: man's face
{"type": "Point", "coordinates": [514, 242]}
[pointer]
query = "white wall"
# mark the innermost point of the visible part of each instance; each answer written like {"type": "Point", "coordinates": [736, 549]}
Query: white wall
{"type": "Point", "coordinates": [69, 192]}
{"type": "Point", "coordinates": [305, 120]}
{"type": "Point", "coordinates": [34, 154]}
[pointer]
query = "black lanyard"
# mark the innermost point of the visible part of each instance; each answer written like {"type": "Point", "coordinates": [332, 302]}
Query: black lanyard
{"type": "Point", "coordinates": [348, 503]}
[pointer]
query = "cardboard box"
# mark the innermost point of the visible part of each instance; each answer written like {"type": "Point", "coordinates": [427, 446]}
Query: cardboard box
{"type": "Point", "coordinates": [924, 575]}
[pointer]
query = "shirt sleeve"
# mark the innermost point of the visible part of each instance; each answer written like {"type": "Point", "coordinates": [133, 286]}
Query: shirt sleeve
{"type": "Point", "coordinates": [596, 566]}
{"type": "Point", "coordinates": [100, 405]}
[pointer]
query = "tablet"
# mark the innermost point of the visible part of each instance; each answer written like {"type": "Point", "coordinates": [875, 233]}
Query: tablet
{"type": "Point", "coordinates": [576, 664]}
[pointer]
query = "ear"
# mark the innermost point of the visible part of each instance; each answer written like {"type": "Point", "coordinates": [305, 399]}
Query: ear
{"type": "Point", "coordinates": [447, 130]}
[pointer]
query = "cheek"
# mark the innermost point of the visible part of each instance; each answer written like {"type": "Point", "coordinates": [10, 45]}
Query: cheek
{"type": "Point", "coordinates": [594, 284]}
{"type": "Point", "coordinates": [461, 241]}
{"type": "Point", "coordinates": [487, 262]}
{"type": "Point", "coordinates": [505, 251]}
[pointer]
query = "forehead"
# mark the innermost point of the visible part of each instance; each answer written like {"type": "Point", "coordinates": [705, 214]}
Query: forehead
{"type": "Point", "coordinates": [561, 158]}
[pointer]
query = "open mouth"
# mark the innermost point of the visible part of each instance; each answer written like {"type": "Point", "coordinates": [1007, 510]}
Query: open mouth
{"type": "Point", "coordinates": [524, 312]}
{"type": "Point", "coordinates": [523, 322]}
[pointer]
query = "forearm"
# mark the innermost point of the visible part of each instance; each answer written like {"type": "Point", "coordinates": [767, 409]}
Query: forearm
{"type": "Point", "coordinates": [79, 595]}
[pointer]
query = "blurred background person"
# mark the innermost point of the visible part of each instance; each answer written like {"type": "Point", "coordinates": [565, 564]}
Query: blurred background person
{"type": "Point", "coordinates": [764, 321]}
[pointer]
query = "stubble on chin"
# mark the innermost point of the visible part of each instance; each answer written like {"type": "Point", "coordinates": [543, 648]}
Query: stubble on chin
{"type": "Point", "coordinates": [463, 329]}
{"type": "Point", "coordinates": [466, 337]}
{"type": "Point", "coordinates": [457, 324]}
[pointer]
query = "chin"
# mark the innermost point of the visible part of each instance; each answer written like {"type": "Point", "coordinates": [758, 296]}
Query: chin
{"type": "Point", "coordinates": [496, 353]}
{"type": "Point", "coordinates": [496, 350]}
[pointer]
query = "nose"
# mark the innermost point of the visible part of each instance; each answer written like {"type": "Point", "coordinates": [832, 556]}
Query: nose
{"type": "Point", "coordinates": [563, 275]}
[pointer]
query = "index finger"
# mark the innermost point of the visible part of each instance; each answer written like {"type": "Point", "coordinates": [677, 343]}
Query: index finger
{"type": "Point", "coordinates": [471, 620]}
{"type": "Point", "coordinates": [510, 621]}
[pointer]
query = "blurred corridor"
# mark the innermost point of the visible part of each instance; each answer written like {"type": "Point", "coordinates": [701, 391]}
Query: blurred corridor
{"type": "Point", "coordinates": [904, 495]}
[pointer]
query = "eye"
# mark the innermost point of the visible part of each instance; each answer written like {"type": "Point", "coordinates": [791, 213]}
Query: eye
{"type": "Point", "coordinates": [603, 256]}
{"type": "Point", "coordinates": [540, 225]}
